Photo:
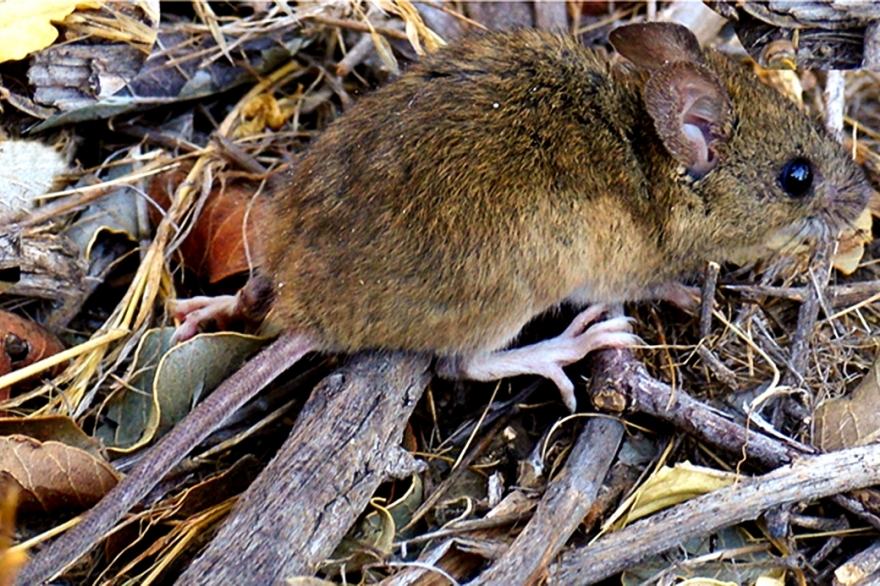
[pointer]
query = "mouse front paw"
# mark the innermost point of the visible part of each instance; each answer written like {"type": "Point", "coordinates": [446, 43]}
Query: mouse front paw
{"type": "Point", "coordinates": [549, 357]}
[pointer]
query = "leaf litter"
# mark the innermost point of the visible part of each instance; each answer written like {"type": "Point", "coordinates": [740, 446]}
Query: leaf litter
{"type": "Point", "coordinates": [164, 148]}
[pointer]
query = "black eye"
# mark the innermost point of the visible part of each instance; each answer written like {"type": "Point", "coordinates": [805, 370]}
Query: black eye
{"type": "Point", "coordinates": [796, 177]}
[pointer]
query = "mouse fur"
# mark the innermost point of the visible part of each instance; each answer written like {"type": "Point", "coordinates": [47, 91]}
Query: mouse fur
{"type": "Point", "coordinates": [515, 171]}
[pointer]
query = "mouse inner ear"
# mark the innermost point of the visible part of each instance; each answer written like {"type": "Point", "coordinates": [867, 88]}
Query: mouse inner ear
{"type": "Point", "coordinates": [655, 44]}
{"type": "Point", "coordinates": [692, 113]}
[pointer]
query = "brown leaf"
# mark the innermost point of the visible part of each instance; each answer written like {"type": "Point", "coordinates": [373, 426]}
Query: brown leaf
{"type": "Point", "coordinates": [854, 420]}
{"type": "Point", "coordinates": [22, 343]}
{"type": "Point", "coordinates": [52, 476]}
{"type": "Point", "coordinates": [43, 428]}
{"type": "Point", "coordinates": [215, 247]}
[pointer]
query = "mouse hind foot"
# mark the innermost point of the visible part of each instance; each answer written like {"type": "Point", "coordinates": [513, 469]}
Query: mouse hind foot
{"type": "Point", "coordinates": [196, 312]}
{"type": "Point", "coordinates": [246, 308]}
{"type": "Point", "coordinates": [548, 357]}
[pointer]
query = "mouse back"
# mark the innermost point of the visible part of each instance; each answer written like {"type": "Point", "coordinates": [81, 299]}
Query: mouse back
{"type": "Point", "coordinates": [515, 171]}
{"type": "Point", "coordinates": [447, 209]}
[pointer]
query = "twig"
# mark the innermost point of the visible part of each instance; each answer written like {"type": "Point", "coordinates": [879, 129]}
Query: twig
{"type": "Point", "coordinates": [707, 299]}
{"type": "Point", "coordinates": [567, 501]}
{"type": "Point", "coordinates": [805, 481]}
{"type": "Point", "coordinates": [860, 566]}
{"type": "Point", "coordinates": [809, 312]}
{"type": "Point", "coordinates": [620, 379]}
{"type": "Point", "coordinates": [358, 26]}
{"type": "Point", "coordinates": [344, 444]}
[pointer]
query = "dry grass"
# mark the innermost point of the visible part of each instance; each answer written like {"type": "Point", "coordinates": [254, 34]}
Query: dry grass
{"type": "Point", "coordinates": [749, 342]}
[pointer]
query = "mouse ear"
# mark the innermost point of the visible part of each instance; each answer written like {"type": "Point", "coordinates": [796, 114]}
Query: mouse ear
{"type": "Point", "coordinates": [655, 44]}
{"type": "Point", "coordinates": [692, 113]}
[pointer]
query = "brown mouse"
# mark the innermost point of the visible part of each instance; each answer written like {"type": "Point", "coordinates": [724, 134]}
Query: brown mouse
{"type": "Point", "coordinates": [496, 180]}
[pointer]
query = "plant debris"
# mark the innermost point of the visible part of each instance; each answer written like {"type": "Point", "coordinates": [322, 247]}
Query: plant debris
{"type": "Point", "coordinates": [172, 116]}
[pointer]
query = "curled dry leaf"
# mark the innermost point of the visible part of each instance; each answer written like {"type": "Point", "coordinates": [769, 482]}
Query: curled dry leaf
{"type": "Point", "coordinates": [215, 248]}
{"type": "Point", "coordinates": [22, 343]}
{"type": "Point", "coordinates": [58, 428]}
{"type": "Point", "coordinates": [54, 477]}
{"type": "Point", "coordinates": [264, 111]}
{"type": "Point", "coordinates": [374, 535]}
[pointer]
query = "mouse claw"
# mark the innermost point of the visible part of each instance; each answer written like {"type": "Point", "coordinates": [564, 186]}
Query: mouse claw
{"type": "Point", "coordinates": [547, 358]}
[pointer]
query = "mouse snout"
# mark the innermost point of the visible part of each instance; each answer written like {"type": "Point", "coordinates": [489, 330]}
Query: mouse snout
{"type": "Point", "coordinates": [842, 204]}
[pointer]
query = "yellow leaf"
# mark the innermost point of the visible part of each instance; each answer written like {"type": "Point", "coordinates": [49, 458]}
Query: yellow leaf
{"type": "Point", "coordinates": [670, 486]}
{"type": "Point", "coordinates": [26, 25]}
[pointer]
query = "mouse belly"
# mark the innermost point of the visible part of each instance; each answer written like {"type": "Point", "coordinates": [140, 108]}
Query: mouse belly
{"type": "Point", "coordinates": [345, 319]}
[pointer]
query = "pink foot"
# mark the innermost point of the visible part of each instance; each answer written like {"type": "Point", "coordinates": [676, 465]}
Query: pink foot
{"type": "Point", "coordinates": [198, 311]}
{"type": "Point", "coordinates": [547, 358]}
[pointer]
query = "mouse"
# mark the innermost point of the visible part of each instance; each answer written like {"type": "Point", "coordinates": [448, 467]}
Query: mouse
{"type": "Point", "coordinates": [493, 181]}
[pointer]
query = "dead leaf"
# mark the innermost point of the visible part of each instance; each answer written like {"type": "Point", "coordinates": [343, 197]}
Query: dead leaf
{"type": "Point", "coordinates": [54, 477]}
{"type": "Point", "coordinates": [22, 343]}
{"type": "Point", "coordinates": [115, 213]}
{"type": "Point", "coordinates": [104, 51]}
{"type": "Point", "coordinates": [11, 561]}
{"type": "Point", "coordinates": [786, 82]}
{"type": "Point", "coordinates": [854, 420]}
{"type": "Point", "coordinates": [168, 382]}
{"type": "Point", "coordinates": [28, 169]}
{"type": "Point", "coordinates": [26, 27]}
{"type": "Point", "coordinates": [185, 64]}
{"type": "Point", "coordinates": [262, 112]}
{"type": "Point", "coordinates": [670, 486]}
{"type": "Point", "coordinates": [375, 534]}
{"type": "Point", "coordinates": [215, 248]}
{"type": "Point", "coordinates": [851, 246]}
{"type": "Point", "coordinates": [59, 428]}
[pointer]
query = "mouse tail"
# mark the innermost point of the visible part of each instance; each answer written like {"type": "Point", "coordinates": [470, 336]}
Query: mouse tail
{"type": "Point", "coordinates": [204, 419]}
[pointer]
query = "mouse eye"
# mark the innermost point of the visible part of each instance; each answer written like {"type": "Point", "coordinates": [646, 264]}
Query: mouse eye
{"type": "Point", "coordinates": [796, 177]}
